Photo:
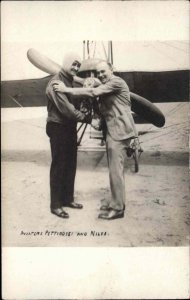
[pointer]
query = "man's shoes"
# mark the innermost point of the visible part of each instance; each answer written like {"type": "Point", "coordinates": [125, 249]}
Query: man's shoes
{"type": "Point", "coordinates": [59, 212]}
{"type": "Point", "coordinates": [75, 205]}
{"type": "Point", "coordinates": [111, 215]}
{"type": "Point", "coordinates": [105, 207]}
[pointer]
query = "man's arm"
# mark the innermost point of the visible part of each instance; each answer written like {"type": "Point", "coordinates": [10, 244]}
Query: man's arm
{"type": "Point", "coordinates": [91, 92]}
{"type": "Point", "coordinates": [78, 80]}
{"type": "Point", "coordinates": [87, 82]}
{"type": "Point", "coordinates": [64, 106]}
{"type": "Point", "coordinates": [85, 92]}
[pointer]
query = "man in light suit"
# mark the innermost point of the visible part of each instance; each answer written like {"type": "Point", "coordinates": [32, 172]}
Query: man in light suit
{"type": "Point", "coordinates": [115, 106]}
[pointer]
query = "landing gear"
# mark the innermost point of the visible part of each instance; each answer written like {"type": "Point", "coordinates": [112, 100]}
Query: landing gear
{"type": "Point", "coordinates": [135, 151]}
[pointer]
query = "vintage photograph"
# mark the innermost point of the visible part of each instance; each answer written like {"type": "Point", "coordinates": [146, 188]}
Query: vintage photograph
{"type": "Point", "coordinates": [94, 128]}
{"type": "Point", "coordinates": [60, 191]}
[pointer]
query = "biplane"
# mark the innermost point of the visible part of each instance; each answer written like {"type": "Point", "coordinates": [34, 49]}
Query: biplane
{"type": "Point", "coordinates": [147, 87]}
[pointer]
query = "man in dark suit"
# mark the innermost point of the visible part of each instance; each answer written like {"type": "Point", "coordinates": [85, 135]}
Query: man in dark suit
{"type": "Point", "coordinates": [61, 128]}
{"type": "Point", "coordinates": [115, 106]}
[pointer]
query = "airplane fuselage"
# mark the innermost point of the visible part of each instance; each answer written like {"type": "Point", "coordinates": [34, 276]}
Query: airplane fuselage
{"type": "Point", "coordinates": [157, 87]}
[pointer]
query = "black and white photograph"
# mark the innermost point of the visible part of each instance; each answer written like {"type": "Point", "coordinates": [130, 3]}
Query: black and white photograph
{"type": "Point", "coordinates": [94, 140]}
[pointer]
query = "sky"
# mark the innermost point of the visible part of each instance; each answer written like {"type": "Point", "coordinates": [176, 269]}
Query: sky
{"type": "Point", "coordinates": [136, 28]}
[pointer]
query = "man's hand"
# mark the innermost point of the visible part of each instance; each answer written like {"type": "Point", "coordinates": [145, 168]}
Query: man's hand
{"type": "Point", "coordinates": [91, 82]}
{"type": "Point", "coordinates": [97, 82]}
{"type": "Point", "coordinates": [59, 86]}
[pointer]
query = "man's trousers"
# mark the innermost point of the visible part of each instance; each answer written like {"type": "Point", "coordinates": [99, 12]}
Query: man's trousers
{"type": "Point", "coordinates": [63, 142]}
{"type": "Point", "coordinates": [116, 154]}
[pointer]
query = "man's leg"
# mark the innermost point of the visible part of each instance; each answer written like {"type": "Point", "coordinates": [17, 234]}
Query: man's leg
{"type": "Point", "coordinates": [58, 164]}
{"type": "Point", "coordinates": [71, 166]}
{"type": "Point", "coordinates": [71, 163]}
{"type": "Point", "coordinates": [116, 156]}
{"type": "Point", "coordinates": [116, 153]}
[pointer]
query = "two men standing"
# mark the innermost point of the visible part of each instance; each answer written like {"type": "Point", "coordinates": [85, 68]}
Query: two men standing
{"type": "Point", "coordinates": [115, 106]}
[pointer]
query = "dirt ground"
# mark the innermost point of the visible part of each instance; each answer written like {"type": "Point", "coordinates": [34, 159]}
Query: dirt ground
{"type": "Point", "coordinates": [157, 197]}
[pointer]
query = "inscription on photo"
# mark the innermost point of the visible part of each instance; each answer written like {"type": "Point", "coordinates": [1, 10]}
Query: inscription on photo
{"type": "Point", "coordinates": [92, 233]}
